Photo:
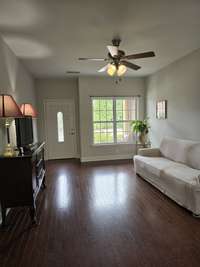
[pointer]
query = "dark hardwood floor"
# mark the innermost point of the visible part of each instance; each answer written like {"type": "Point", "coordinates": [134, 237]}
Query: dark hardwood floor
{"type": "Point", "coordinates": [100, 215]}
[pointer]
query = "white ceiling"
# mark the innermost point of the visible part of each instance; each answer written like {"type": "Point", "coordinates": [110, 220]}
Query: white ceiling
{"type": "Point", "coordinates": [50, 35]}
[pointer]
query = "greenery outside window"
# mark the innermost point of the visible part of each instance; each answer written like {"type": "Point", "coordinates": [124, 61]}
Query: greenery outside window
{"type": "Point", "coordinates": [111, 119]}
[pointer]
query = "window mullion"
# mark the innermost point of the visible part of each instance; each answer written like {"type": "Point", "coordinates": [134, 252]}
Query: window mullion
{"type": "Point", "coordinates": [114, 120]}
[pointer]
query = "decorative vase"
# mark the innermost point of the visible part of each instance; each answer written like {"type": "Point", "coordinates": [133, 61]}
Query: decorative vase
{"type": "Point", "coordinates": [142, 138]}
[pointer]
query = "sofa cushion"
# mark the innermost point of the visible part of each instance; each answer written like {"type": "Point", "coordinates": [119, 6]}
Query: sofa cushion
{"type": "Point", "coordinates": [165, 168]}
{"type": "Point", "coordinates": [182, 173]}
{"type": "Point", "coordinates": [154, 165]}
{"type": "Point", "coordinates": [183, 151]}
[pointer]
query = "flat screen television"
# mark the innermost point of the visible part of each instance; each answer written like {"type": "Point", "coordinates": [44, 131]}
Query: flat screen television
{"type": "Point", "coordinates": [24, 131]}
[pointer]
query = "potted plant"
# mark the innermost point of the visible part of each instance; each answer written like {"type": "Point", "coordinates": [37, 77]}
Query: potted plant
{"type": "Point", "coordinates": [141, 127]}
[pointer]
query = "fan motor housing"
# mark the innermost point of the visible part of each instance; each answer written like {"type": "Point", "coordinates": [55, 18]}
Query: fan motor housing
{"type": "Point", "coordinates": [121, 54]}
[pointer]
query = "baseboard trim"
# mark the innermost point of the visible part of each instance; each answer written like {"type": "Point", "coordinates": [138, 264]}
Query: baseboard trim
{"type": "Point", "coordinates": [76, 156]}
{"type": "Point", "coordinates": [108, 157]}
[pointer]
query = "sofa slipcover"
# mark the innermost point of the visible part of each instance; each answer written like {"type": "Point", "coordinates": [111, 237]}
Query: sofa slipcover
{"type": "Point", "coordinates": [171, 170]}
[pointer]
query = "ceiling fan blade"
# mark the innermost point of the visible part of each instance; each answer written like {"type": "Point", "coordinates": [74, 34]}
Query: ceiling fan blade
{"type": "Point", "coordinates": [92, 59]}
{"type": "Point", "coordinates": [113, 50]}
{"type": "Point", "coordinates": [140, 55]}
{"type": "Point", "coordinates": [130, 65]}
{"type": "Point", "coordinates": [104, 68]}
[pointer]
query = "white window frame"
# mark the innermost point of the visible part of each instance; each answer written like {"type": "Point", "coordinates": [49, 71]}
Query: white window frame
{"type": "Point", "coordinates": [114, 119]}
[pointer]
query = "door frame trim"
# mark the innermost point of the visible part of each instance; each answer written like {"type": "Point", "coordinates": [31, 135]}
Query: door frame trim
{"type": "Point", "coordinates": [54, 100]}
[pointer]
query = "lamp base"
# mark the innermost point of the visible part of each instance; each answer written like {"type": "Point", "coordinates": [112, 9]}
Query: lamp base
{"type": "Point", "coordinates": [9, 151]}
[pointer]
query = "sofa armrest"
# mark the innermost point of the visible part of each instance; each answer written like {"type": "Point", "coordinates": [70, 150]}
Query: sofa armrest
{"type": "Point", "coordinates": [149, 152]}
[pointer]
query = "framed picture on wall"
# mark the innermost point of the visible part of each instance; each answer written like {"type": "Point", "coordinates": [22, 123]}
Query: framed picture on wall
{"type": "Point", "coordinates": [161, 109]}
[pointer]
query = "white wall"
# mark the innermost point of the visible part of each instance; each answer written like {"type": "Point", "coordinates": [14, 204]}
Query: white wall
{"type": "Point", "coordinates": [56, 89]}
{"type": "Point", "coordinates": [14, 80]}
{"type": "Point", "coordinates": [105, 86]}
{"type": "Point", "coordinates": [179, 83]}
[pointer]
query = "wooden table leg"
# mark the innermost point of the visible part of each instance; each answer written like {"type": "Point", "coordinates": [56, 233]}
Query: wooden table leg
{"type": "Point", "coordinates": [43, 183]}
{"type": "Point", "coordinates": [32, 210]}
{"type": "Point", "coordinates": [3, 214]}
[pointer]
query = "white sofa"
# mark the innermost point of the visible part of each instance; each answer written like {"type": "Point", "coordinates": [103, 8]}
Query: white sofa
{"type": "Point", "coordinates": [174, 169]}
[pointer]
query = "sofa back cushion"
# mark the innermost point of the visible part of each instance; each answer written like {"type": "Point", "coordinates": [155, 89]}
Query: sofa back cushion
{"type": "Point", "coordinates": [183, 151]}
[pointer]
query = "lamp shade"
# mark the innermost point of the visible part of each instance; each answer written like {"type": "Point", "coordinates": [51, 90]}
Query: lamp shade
{"type": "Point", "coordinates": [111, 69]}
{"type": "Point", "coordinates": [121, 70]}
{"type": "Point", "coordinates": [8, 107]}
{"type": "Point", "coordinates": [28, 110]}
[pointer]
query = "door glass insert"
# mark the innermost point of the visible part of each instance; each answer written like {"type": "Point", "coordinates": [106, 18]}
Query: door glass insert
{"type": "Point", "coordinates": [60, 126]}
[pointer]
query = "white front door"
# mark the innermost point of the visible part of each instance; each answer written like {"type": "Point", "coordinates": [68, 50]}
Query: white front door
{"type": "Point", "coordinates": [60, 129]}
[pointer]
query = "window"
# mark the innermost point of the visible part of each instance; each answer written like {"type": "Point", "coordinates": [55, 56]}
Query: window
{"type": "Point", "coordinates": [111, 119]}
{"type": "Point", "coordinates": [60, 126]}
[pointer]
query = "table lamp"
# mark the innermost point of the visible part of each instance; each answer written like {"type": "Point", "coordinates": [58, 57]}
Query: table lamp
{"type": "Point", "coordinates": [8, 110]}
{"type": "Point", "coordinates": [28, 110]}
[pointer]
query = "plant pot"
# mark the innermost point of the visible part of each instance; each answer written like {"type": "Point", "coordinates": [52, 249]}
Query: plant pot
{"type": "Point", "coordinates": [142, 138]}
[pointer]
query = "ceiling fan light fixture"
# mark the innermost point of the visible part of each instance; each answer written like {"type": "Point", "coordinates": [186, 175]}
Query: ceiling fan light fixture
{"type": "Point", "coordinates": [121, 70]}
{"type": "Point", "coordinates": [111, 70]}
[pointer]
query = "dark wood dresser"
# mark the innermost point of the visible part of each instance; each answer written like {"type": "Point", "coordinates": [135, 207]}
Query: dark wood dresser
{"type": "Point", "coordinates": [21, 178]}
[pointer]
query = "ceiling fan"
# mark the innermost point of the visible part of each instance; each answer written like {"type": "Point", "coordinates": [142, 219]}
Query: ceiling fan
{"type": "Point", "coordinates": [117, 59]}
